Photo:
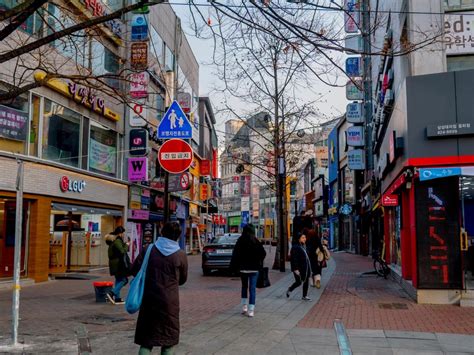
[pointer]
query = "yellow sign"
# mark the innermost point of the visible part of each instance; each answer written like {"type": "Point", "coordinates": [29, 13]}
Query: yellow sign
{"type": "Point", "coordinates": [332, 210]}
{"type": "Point", "coordinates": [193, 209]}
{"type": "Point", "coordinates": [81, 94]}
{"type": "Point", "coordinates": [135, 205]}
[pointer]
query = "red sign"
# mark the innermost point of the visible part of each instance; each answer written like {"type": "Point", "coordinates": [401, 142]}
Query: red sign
{"type": "Point", "coordinates": [66, 184]}
{"type": "Point", "coordinates": [205, 167]}
{"type": "Point", "coordinates": [391, 154]}
{"type": "Point", "coordinates": [389, 200]}
{"type": "Point", "coordinates": [175, 156]}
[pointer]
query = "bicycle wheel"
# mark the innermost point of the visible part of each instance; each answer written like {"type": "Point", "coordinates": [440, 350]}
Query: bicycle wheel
{"type": "Point", "coordinates": [381, 268]}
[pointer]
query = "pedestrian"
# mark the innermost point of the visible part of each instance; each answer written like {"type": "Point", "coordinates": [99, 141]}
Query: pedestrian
{"type": "Point", "coordinates": [300, 265]}
{"type": "Point", "coordinates": [158, 319]}
{"type": "Point", "coordinates": [247, 258]}
{"type": "Point", "coordinates": [314, 248]}
{"type": "Point", "coordinates": [119, 263]}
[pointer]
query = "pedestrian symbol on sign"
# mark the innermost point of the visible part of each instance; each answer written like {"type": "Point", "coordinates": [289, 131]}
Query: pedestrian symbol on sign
{"type": "Point", "coordinates": [175, 124]}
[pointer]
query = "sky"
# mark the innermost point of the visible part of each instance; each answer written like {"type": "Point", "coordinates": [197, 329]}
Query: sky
{"type": "Point", "coordinates": [333, 103]}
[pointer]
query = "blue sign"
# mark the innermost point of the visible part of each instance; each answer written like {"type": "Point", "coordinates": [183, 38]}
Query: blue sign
{"type": "Point", "coordinates": [346, 209]}
{"type": "Point", "coordinates": [353, 66]}
{"type": "Point", "coordinates": [175, 124]}
{"type": "Point", "coordinates": [139, 28]}
{"type": "Point", "coordinates": [333, 155]}
{"type": "Point", "coordinates": [245, 218]}
{"type": "Point", "coordinates": [436, 173]}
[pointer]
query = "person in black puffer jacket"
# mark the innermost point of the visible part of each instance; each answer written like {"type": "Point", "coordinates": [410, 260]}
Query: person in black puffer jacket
{"type": "Point", "coordinates": [300, 265]}
{"type": "Point", "coordinates": [247, 258]}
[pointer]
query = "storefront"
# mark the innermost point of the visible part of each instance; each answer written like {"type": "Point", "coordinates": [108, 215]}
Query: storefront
{"type": "Point", "coordinates": [66, 215]}
{"type": "Point", "coordinates": [425, 167]}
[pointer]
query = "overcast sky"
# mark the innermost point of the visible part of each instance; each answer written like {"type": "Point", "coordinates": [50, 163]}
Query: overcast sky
{"type": "Point", "coordinates": [333, 103]}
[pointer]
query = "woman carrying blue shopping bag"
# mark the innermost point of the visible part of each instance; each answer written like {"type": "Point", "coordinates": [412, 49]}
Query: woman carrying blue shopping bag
{"type": "Point", "coordinates": [158, 320]}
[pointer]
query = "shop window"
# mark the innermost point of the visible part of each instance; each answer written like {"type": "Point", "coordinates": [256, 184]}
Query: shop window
{"type": "Point", "coordinates": [61, 134]}
{"type": "Point", "coordinates": [102, 150]}
{"type": "Point", "coordinates": [464, 62]}
{"type": "Point", "coordinates": [14, 125]}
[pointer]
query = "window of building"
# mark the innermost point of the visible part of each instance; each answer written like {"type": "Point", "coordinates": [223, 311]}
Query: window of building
{"type": "Point", "coordinates": [61, 134]}
{"type": "Point", "coordinates": [74, 46]}
{"type": "Point", "coordinates": [14, 122]}
{"type": "Point", "coordinates": [463, 62]}
{"type": "Point", "coordinates": [451, 5]}
{"type": "Point", "coordinates": [102, 150]}
{"type": "Point", "coordinates": [160, 106]}
{"type": "Point", "coordinates": [157, 46]}
{"type": "Point", "coordinates": [169, 59]}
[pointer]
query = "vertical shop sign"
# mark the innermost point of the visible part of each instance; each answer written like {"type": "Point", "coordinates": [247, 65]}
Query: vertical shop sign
{"type": "Point", "coordinates": [437, 234]}
{"type": "Point", "coordinates": [354, 112]}
{"type": "Point", "coordinates": [138, 169]}
{"type": "Point", "coordinates": [139, 55]}
{"type": "Point", "coordinates": [351, 16]}
{"type": "Point", "coordinates": [205, 167]}
{"type": "Point", "coordinates": [353, 67]}
{"type": "Point", "coordinates": [353, 91]}
{"type": "Point", "coordinates": [139, 27]}
{"type": "Point", "coordinates": [138, 114]}
{"type": "Point", "coordinates": [138, 142]}
{"type": "Point", "coordinates": [139, 85]}
{"type": "Point", "coordinates": [184, 101]}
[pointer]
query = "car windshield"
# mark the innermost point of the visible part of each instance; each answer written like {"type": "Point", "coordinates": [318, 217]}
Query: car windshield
{"type": "Point", "coordinates": [229, 239]}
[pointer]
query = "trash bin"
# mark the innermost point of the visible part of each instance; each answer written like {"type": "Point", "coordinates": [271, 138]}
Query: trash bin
{"type": "Point", "coordinates": [101, 289]}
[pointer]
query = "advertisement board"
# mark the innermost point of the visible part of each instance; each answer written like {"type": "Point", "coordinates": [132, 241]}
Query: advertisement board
{"type": "Point", "coordinates": [356, 159]}
{"type": "Point", "coordinates": [355, 136]}
{"type": "Point", "coordinates": [459, 33]}
{"type": "Point", "coordinates": [139, 85]}
{"type": "Point", "coordinates": [13, 123]}
{"type": "Point", "coordinates": [355, 112]}
{"type": "Point", "coordinates": [351, 16]}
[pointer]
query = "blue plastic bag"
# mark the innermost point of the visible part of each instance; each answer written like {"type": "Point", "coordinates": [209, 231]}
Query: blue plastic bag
{"type": "Point", "coordinates": [137, 286]}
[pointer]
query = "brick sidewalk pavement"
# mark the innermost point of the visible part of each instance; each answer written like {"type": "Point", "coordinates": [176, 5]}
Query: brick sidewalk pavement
{"type": "Point", "coordinates": [370, 302]}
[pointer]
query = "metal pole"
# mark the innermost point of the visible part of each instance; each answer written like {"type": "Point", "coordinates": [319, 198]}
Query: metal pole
{"type": "Point", "coordinates": [166, 205]}
{"type": "Point", "coordinates": [17, 258]}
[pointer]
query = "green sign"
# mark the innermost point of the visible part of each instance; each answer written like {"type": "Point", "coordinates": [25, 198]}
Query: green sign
{"type": "Point", "coordinates": [235, 221]}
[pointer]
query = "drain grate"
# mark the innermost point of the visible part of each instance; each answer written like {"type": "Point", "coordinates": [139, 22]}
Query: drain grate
{"type": "Point", "coordinates": [393, 306]}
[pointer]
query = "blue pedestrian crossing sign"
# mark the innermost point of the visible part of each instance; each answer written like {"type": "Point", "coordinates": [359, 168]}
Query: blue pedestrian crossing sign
{"type": "Point", "coordinates": [175, 124]}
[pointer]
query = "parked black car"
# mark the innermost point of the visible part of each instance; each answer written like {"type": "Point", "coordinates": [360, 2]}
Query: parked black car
{"type": "Point", "coordinates": [216, 256]}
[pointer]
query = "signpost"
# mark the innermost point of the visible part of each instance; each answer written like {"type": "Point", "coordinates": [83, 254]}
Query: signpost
{"type": "Point", "coordinates": [175, 156]}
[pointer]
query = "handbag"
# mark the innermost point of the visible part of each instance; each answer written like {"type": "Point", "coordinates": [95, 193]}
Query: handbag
{"type": "Point", "coordinates": [263, 280]}
{"type": "Point", "coordinates": [137, 286]}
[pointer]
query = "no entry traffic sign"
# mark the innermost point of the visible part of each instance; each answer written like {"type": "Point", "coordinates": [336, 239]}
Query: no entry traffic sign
{"type": "Point", "coordinates": [175, 156]}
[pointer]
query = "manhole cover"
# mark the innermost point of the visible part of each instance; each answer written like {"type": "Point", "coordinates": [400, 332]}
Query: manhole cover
{"type": "Point", "coordinates": [393, 305]}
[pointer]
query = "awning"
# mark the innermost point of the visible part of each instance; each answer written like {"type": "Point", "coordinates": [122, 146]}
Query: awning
{"type": "Point", "coordinates": [438, 173]}
{"type": "Point", "coordinates": [85, 209]}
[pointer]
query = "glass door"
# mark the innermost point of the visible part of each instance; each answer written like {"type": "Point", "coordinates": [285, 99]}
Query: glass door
{"type": "Point", "coordinates": [467, 229]}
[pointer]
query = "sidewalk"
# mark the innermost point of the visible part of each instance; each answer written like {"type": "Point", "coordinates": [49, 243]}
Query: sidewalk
{"type": "Point", "coordinates": [284, 326]}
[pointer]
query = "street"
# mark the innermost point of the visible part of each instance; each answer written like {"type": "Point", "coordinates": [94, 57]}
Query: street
{"type": "Point", "coordinates": [61, 316]}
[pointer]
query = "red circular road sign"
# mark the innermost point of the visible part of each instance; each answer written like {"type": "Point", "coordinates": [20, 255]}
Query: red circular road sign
{"type": "Point", "coordinates": [175, 156]}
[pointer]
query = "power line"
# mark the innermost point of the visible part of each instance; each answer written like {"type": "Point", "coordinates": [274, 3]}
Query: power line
{"type": "Point", "coordinates": [314, 7]}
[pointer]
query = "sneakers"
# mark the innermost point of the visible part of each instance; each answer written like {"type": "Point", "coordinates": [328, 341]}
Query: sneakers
{"type": "Point", "coordinates": [306, 298]}
{"type": "Point", "coordinates": [318, 283]}
{"type": "Point", "coordinates": [251, 313]}
{"type": "Point", "coordinates": [119, 301]}
{"type": "Point", "coordinates": [110, 297]}
{"type": "Point", "coordinates": [288, 293]}
{"type": "Point", "coordinates": [244, 309]}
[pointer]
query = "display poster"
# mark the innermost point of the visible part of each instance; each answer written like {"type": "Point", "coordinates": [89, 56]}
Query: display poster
{"type": "Point", "coordinates": [102, 157]}
{"type": "Point", "coordinates": [437, 234]}
{"type": "Point", "coordinates": [133, 233]}
{"type": "Point", "coordinates": [13, 123]}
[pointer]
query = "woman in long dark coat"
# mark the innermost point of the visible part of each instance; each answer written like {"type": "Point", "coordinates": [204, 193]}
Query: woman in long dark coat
{"type": "Point", "coordinates": [300, 265]}
{"type": "Point", "coordinates": [158, 320]}
{"type": "Point", "coordinates": [313, 243]}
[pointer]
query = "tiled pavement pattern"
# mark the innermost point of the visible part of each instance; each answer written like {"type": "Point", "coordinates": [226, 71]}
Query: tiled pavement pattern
{"type": "Point", "coordinates": [370, 302]}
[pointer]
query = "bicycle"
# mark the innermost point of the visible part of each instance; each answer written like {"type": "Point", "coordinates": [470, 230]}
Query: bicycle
{"type": "Point", "coordinates": [380, 266]}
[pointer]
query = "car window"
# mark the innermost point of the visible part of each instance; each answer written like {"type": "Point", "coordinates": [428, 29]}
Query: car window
{"type": "Point", "coordinates": [229, 239]}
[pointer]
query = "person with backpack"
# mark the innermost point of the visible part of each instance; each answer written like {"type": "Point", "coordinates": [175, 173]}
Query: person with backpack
{"type": "Point", "coordinates": [119, 263]}
{"type": "Point", "coordinates": [300, 265]}
{"type": "Point", "coordinates": [247, 258]}
{"type": "Point", "coordinates": [167, 269]}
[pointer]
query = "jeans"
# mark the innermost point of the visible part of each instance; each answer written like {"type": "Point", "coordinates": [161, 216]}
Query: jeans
{"type": "Point", "coordinates": [249, 286]}
{"type": "Point", "coordinates": [119, 283]}
{"type": "Point", "coordinates": [298, 282]}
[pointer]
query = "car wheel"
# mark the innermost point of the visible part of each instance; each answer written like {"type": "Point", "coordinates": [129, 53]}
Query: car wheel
{"type": "Point", "coordinates": [206, 272]}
